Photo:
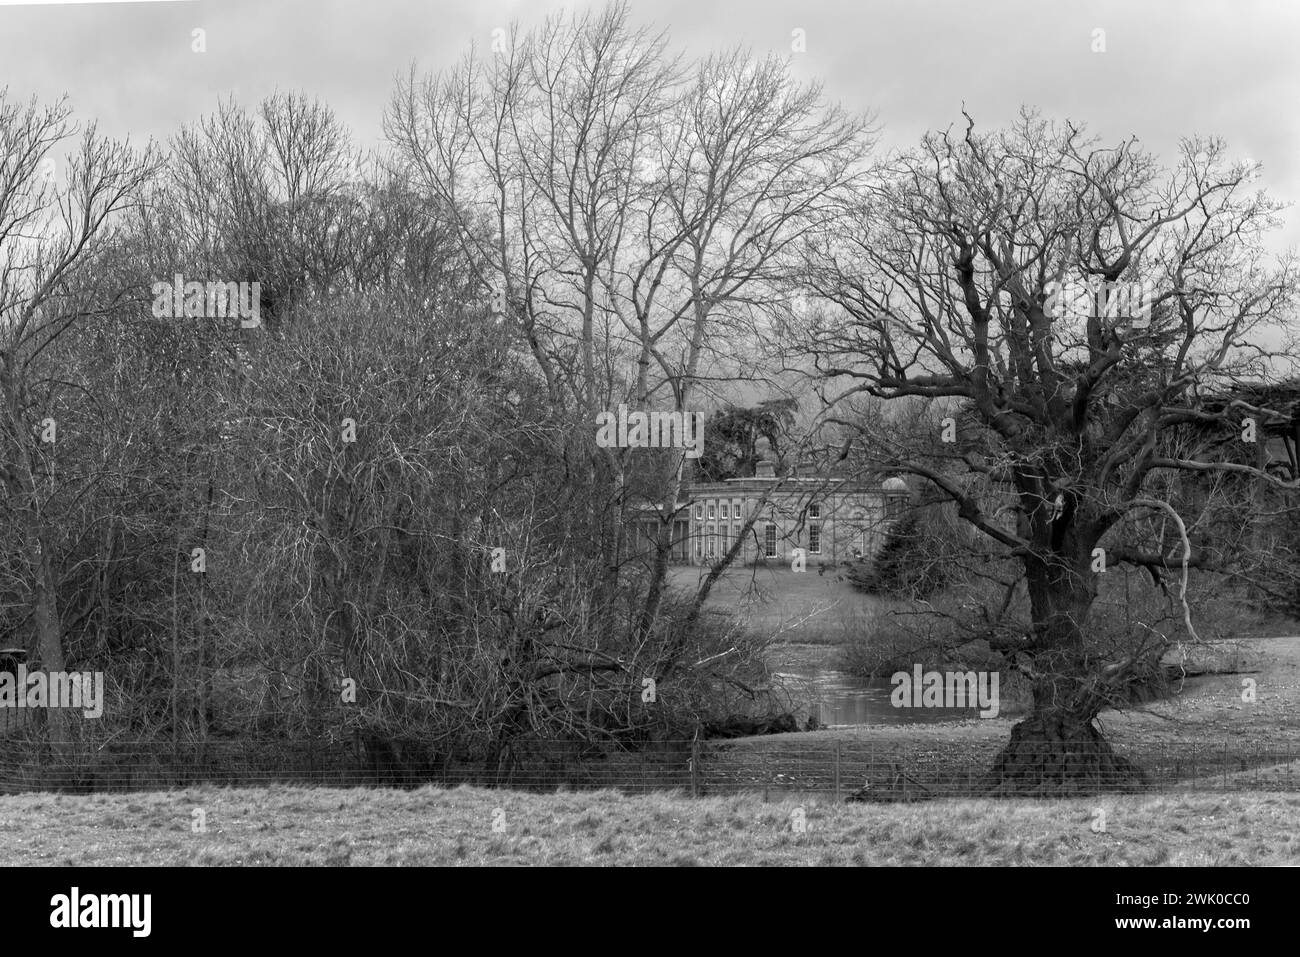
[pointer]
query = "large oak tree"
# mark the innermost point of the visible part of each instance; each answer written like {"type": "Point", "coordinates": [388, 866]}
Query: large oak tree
{"type": "Point", "coordinates": [1071, 420]}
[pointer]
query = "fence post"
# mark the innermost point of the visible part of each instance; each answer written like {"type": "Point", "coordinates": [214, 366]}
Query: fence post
{"type": "Point", "coordinates": [837, 769]}
{"type": "Point", "coordinates": [695, 767]}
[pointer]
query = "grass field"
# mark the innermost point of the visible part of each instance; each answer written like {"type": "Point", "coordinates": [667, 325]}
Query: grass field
{"type": "Point", "coordinates": [296, 826]}
{"type": "Point", "coordinates": [808, 607]}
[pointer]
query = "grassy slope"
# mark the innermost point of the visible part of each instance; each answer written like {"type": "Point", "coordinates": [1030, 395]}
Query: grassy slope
{"type": "Point", "coordinates": [431, 826]}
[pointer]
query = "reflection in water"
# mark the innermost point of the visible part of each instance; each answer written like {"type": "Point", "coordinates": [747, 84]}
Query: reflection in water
{"type": "Point", "coordinates": [842, 698]}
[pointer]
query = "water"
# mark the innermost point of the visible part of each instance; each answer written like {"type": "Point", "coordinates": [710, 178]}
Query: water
{"type": "Point", "coordinates": [844, 699]}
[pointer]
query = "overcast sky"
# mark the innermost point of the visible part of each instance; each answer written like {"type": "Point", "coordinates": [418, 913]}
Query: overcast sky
{"type": "Point", "coordinates": [1170, 69]}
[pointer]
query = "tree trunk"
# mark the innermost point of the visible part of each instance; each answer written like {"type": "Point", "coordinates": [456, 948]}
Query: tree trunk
{"type": "Point", "coordinates": [1058, 749]}
{"type": "Point", "coordinates": [1054, 752]}
{"type": "Point", "coordinates": [20, 479]}
{"type": "Point", "coordinates": [50, 640]}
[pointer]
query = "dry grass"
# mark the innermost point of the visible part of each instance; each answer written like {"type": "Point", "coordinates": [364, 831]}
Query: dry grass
{"type": "Point", "coordinates": [295, 826]}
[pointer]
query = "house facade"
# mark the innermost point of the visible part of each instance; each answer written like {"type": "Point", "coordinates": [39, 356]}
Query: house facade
{"type": "Point", "coordinates": [833, 519]}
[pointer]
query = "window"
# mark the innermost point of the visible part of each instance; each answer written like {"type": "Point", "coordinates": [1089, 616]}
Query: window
{"type": "Point", "coordinates": [814, 539]}
{"type": "Point", "coordinates": [769, 541]}
{"type": "Point", "coordinates": [815, 510]}
{"type": "Point", "coordinates": [699, 513]}
{"type": "Point", "coordinates": [726, 536]}
{"type": "Point", "coordinates": [712, 542]}
{"type": "Point", "coordinates": [724, 514]}
{"type": "Point", "coordinates": [699, 549]}
{"type": "Point", "coordinates": [712, 510]}
{"type": "Point", "coordinates": [895, 507]}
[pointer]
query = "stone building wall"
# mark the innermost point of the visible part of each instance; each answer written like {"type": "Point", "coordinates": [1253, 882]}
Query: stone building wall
{"type": "Point", "coordinates": [831, 520]}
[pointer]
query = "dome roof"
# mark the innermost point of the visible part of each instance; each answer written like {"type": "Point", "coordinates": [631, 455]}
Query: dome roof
{"type": "Point", "coordinates": [894, 484]}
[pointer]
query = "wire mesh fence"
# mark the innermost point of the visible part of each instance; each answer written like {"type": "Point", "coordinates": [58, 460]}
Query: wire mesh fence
{"type": "Point", "coordinates": [38, 766]}
{"type": "Point", "coordinates": [840, 770]}
{"type": "Point", "coordinates": [861, 772]}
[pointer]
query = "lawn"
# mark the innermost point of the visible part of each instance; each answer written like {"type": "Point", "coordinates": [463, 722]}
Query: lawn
{"type": "Point", "coordinates": [802, 607]}
{"type": "Point", "coordinates": [430, 826]}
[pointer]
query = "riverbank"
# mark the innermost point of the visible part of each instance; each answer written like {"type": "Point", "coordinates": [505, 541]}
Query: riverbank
{"type": "Point", "coordinates": [1209, 712]}
{"type": "Point", "coordinates": [1247, 705]}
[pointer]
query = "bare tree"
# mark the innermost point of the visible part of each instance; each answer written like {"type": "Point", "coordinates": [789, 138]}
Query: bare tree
{"type": "Point", "coordinates": [1066, 415]}
{"type": "Point", "coordinates": [632, 214]}
{"type": "Point", "coordinates": [51, 233]}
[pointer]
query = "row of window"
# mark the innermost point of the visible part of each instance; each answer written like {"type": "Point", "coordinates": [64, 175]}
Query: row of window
{"type": "Point", "coordinates": [727, 510]}
{"type": "Point", "coordinates": [722, 511]}
{"type": "Point", "coordinates": [895, 508]}
{"type": "Point", "coordinates": [717, 539]}
{"type": "Point", "coordinates": [721, 536]}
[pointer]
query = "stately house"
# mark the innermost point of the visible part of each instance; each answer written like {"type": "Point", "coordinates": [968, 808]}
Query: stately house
{"type": "Point", "coordinates": [832, 518]}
